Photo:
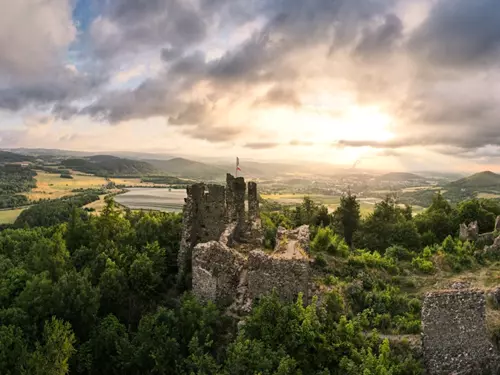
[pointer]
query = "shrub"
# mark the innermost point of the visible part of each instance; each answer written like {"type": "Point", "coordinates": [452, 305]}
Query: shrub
{"type": "Point", "coordinates": [320, 261]}
{"type": "Point", "coordinates": [423, 265]}
{"type": "Point", "coordinates": [326, 241]}
{"type": "Point", "coordinates": [398, 253]}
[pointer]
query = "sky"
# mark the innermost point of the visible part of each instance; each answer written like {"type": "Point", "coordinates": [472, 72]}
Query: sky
{"type": "Point", "coordinates": [383, 84]}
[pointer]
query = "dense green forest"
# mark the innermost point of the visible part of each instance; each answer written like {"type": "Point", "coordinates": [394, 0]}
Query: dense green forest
{"type": "Point", "coordinates": [87, 294]}
{"type": "Point", "coordinates": [105, 165]}
{"type": "Point", "coordinates": [15, 179]}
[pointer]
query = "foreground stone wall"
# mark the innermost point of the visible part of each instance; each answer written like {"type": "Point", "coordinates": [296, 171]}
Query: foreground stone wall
{"type": "Point", "coordinates": [454, 336]}
{"type": "Point", "coordinates": [288, 276]}
{"type": "Point", "coordinates": [216, 272]}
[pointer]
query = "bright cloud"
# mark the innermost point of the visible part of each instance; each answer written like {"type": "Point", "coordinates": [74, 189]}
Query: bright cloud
{"type": "Point", "coordinates": [404, 82]}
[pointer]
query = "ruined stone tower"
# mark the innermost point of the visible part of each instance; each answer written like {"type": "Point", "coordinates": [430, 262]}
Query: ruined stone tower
{"type": "Point", "coordinates": [210, 210]}
{"type": "Point", "coordinates": [221, 253]}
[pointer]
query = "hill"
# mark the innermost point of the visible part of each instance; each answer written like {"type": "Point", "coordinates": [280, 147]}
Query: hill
{"type": "Point", "coordinates": [10, 157]}
{"type": "Point", "coordinates": [486, 179]}
{"type": "Point", "coordinates": [181, 167]}
{"type": "Point", "coordinates": [106, 165]}
{"type": "Point", "coordinates": [399, 176]}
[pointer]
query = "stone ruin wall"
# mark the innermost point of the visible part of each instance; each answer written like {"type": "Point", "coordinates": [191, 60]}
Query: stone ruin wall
{"type": "Point", "coordinates": [215, 224]}
{"type": "Point", "coordinates": [209, 211]}
{"type": "Point", "coordinates": [288, 277]}
{"type": "Point", "coordinates": [216, 272]}
{"type": "Point", "coordinates": [454, 335]}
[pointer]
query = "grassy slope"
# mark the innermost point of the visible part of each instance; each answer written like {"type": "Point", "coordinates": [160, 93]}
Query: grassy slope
{"type": "Point", "coordinates": [485, 179]}
{"type": "Point", "coordinates": [10, 216]}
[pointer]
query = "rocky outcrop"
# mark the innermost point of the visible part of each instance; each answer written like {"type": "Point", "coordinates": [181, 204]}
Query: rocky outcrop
{"type": "Point", "coordinates": [469, 232]}
{"type": "Point", "coordinates": [288, 277]}
{"type": "Point", "coordinates": [454, 336]}
{"type": "Point", "coordinates": [216, 272]}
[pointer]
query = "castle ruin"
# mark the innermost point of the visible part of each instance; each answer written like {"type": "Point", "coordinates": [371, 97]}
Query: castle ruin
{"type": "Point", "coordinates": [222, 255]}
{"type": "Point", "coordinates": [454, 335]}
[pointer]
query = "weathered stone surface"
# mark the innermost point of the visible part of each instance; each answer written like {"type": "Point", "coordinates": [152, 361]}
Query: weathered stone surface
{"type": "Point", "coordinates": [288, 277]}
{"type": "Point", "coordinates": [239, 188]}
{"type": "Point", "coordinates": [460, 285]}
{"type": "Point", "coordinates": [253, 202]}
{"type": "Point", "coordinates": [454, 336]}
{"type": "Point", "coordinates": [497, 223]}
{"type": "Point", "coordinates": [190, 229]}
{"type": "Point", "coordinates": [212, 214]}
{"type": "Point", "coordinates": [469, 232]}
{"type": "Point", "coordinates": [203, 220]}
{"type": "Point", "coordinates": [216, 272]}
{"type": "Point", "coordinates": [298, 237]}
{"type": "Point", "coordinates": [230, 209]}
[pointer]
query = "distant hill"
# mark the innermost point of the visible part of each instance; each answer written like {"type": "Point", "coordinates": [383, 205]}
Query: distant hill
{"type": "Point", "coordinates": [181, 167]}
{"type": "Point", "coordinates": [399, 176]}
{"type": "Point", "coordinates": [106, 165]}
{"type": "Point", "coordinates": [10, 157]}
{"type": "Point", "coordinates": [486, 179]}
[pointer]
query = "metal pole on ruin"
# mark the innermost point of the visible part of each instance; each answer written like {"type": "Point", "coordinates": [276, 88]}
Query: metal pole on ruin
{"type": "Point", "coordinates": [237, 162]}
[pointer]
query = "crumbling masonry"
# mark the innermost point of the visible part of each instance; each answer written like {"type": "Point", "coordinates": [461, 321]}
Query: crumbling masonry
{"type": "Point", "coordinates": [221, 253]}
{"type": "Point", "coordinates": [454, 335]}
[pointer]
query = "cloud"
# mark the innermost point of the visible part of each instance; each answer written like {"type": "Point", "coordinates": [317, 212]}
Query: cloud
{"type": "Point", "coordinates": [127, 26]}
{"type": "Point", "coordinates": [58, 86]}
{"type": "Point", "coordinates": [261, 145]}
{"type": "Point", "coordinates": [279, 95]}
{"type": "Point", "coordinates": [459, 33]}
{"type": "Point", "coordinates": [379, 40]}
{"type": "Point", "coordinates": [33, 36]}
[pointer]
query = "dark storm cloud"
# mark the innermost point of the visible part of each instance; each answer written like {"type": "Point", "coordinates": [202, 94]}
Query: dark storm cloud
{"type": "Point", "coordinates": [459, 33]}
{"type": "Point", "coordinates": [58, 86]}
{"type": "Point", "coordinates": [129, 25]}
{"type": "Point", "coordinates": [381, 39]}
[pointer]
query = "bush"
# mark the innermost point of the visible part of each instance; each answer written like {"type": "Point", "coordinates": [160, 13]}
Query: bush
{"type": "Point", "coordinates": [326, 241]}
{"type": "Point", "coordinates": [423, 265]}
{"type": "Point", "coordinates": [398, 253]}
{"type": "Point", "coordinates": [320, 261]}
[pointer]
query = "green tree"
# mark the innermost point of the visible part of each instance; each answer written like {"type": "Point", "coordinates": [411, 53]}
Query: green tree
{"type": "Point", "coordinates": [13, 350]}
{"type": "Point", "coordinates": [108, 350]}
{"type": "Point", "coordinates": [348, 216]}
{"type": "Point", "coordinates": [51, 357]}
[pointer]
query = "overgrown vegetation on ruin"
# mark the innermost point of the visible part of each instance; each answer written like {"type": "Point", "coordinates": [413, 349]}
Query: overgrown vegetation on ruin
{"type": "Point", "coordinates": [99, 294]}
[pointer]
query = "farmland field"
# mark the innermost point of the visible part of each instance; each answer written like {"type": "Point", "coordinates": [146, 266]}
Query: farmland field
{"type": "Point", "coordinates": [10, 216]}
{"type": "Point", "coordinates": [52, 186]}
{"type": "Point", "coordinates": [159, 199]}
{"type": "Point", "coordinates": [134, 182]}
{"type": "Point", "coordinates": [366, 205]}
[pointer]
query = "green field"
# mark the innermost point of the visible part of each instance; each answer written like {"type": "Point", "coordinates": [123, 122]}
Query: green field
{"type": "Point", "coordinates": [10, 216]}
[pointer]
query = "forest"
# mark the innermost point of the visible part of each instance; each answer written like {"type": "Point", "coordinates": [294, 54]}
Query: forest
{"type": "Point", "coordinates": [98, 294]}
{"type": "Point", "coordinates": [15, 179]}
